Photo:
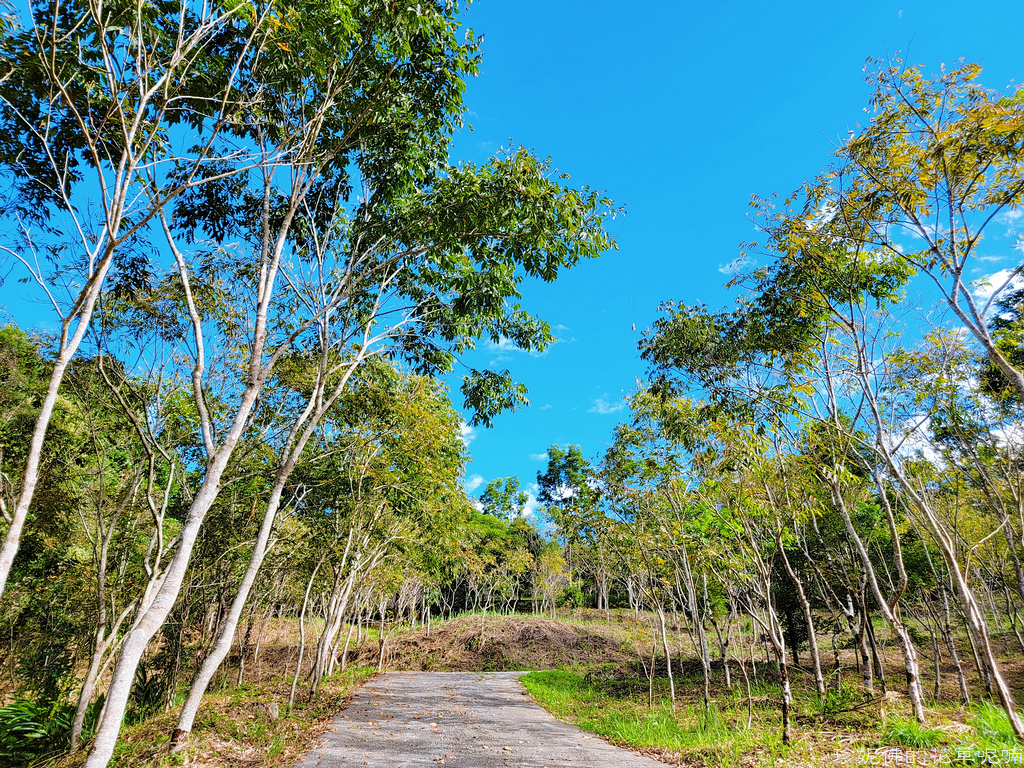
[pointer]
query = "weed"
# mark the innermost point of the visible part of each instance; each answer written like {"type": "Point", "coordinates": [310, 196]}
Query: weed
{"type": "Point", "coordinates": [994, 726]}
{"type": "Point", "coordinates": [906, 732]}
{"type": "Point", "coordinates": [994, 737]}
{"type": "Point", "coordinates": [276, 747]}
{"type": "Point", "coordinates": [710, 735]}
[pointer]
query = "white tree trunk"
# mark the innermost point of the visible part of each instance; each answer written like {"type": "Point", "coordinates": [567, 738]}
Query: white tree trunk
{"type": "Point", "coordinates": [155, 614]}
{"type": "Point", "coordinates": [222, 645]}
{"type": "Point", "coordinates": [30, 477]}
{"type": "Point", "coordinates": [910, 664]}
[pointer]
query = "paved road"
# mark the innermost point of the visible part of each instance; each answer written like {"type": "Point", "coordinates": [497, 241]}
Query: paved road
{"type": "Point", "coordinates": [459, 720]}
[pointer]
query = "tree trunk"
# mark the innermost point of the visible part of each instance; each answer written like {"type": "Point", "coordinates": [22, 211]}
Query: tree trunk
{"type": "Point", "coordinates": [302, 630]}
{"type": "Point", "coordinates": [787, 701]}
{"type": "Point", "coordinates": [68, 348]}
{"type": "Point", "coordinates": [947, 632]}
{"type": "Point", "coordinates": [906, 646]}
{"type": "Point", "coordinates": [876, 659]}
{"type": "Point", "coordinates": [222, 644]}
{"type": "Point", "coordinates": [805, 605]}
{"type": "Point", "coordinates": [344, 653]}
{"type": "Point", "coordinates": [668, 656]}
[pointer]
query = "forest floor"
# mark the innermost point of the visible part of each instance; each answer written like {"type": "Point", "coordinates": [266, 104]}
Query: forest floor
{"type": "Point", "coordinates": [589, 672]}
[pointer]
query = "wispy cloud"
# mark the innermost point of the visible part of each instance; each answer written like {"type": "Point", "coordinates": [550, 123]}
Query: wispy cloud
{"type": "Point", "coordinates": [539, 456]}
{"type": "Point", "coordinates": [733, 267]}
{"type": "Point", "coordinates": [1011, 218]}
{"type": "Point", "coordinates": [563, 334]}
{"type": "Point", "coordinates": [603, 407]}
{"type": "Point", "coordinates": [502, 345]}
{"type": "Point", "coordinates": [545, 407]}
{"type": "Point", "coordinates": [984, 288]}
{"type": "Point", "coordinates": [473, 482]}
{"type": "Point", "coordinates": [467, 433]}
{"type": "Point", "coordinates": [532, 504]}
{"type": "Point", "coordinates": [506, 347]}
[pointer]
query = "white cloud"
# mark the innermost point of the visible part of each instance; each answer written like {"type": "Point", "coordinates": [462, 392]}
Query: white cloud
{"type": "Point", "coordinates": [914, 440]}
{"type": "Point", "coordinates": [563, 334]}
{"type": "Point", "coordinates": [539, 456]}
{"type": "Point", "coordinates": [562, 493]}
{"type": "Point", "coordinates": [473, 482]}
{"type": "Point", "coordinates": [1009, 436]}
{"type": "Point", "coordinates": [733, 266]}
{"type": "Point", "coordinates": [990, 284]}
{"type": "Point", "coordinates": [603, 407]}
{"type": "Point", "coordinates": [503, 344]}
{"type": "Point", "coordinates": [506, 346]}
{"type": "Point", "coordinates": [1011, 217]}
{"type": "Point", "coordinates": [823, 215]}
{"type": "Point", "coordinates": [545, 407]}
{"type": "Point", "coordinates": [532, 504]}
{"type": "Point", "coordinates": [467, 433]}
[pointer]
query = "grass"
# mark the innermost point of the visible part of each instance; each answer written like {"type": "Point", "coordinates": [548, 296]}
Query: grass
{"type": "Point", "coordinates": [994, 742]}
{"type": "Point", "coordinates": [844, 727]}
{"type": "Point", "coordinates": [617, 710]}
{"type": "Point", "coordinates": [595, 679]}
{"type": "Point", "coordinates": [906, 732]}
{"type": "Point", "coordinates": [234, 728]}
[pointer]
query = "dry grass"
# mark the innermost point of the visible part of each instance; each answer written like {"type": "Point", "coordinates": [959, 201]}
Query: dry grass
{"type": "Point", "coordinates": [501, 643]}
{"type": "Point", "coordinates": [234, 727]}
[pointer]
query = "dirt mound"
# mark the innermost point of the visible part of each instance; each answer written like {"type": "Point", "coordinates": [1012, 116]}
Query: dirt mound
{"type": "Point", "coordinates": [501, 643]}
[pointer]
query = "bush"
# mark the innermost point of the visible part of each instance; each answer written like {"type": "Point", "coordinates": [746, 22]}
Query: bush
{"type": "Point", "coordinates": [32, 732]}
{"type": "Point", "coordinates": [571, 597]}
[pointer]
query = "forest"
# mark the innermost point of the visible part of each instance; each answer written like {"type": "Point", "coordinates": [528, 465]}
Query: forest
{"type": "Point", "coordinates": [232, 473]}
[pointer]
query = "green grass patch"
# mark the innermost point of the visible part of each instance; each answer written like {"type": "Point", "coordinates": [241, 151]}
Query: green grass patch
{"type": "Point", "coordinates": [993, 740]}
{"type": "Point", "coordinates": [993, 726]}
{"type": "Point", "coordinates": [619, 711]}
{"type": "Point", "coordinates": [907, 732]}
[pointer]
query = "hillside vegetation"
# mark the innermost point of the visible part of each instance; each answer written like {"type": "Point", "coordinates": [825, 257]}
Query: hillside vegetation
{"type": "Point", "coordinates": [592, 670]}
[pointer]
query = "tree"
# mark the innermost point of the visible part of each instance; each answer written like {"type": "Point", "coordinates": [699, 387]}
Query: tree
{"type": "Point", "coordinates": [912, 193]}
{"type": "Point", "coordinates": [92, 99]}
{"type": "Point", "coordinates": [280, 260]}
{"type": "Point", "coordinates": [1006, 324]}
{"type": "Point", "coordinates": [100, 530]}
{"type": "Point", "coordinates": [917, 190]}
{"type": "Point", "coordinates": [503, 498]}
{"type": "Point", "coordinates": [570, 494]}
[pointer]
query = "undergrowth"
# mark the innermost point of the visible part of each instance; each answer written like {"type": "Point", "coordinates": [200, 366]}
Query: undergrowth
{"type": "Point", "coordinates": [907, 732]}
{"type": "Point", "coordinates": [613, 709]}
{"type": "Point", "coordinates": [234, 727]}
{"type": "Point", "coordinates": [994, 741]}
{"type": "Point", "coordinates": [32, 732]}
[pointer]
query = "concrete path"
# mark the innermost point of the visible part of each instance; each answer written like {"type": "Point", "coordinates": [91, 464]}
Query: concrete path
{"type": "Point", "coordinates": [459, 720]}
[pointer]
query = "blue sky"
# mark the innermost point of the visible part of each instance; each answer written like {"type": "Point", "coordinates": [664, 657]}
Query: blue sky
{"type": "Point", "coordinates": [679, 111]}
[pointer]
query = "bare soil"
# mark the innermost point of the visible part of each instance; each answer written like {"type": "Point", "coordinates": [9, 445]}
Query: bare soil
{"type": "Point", "coordinates": [497, 644]}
